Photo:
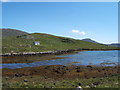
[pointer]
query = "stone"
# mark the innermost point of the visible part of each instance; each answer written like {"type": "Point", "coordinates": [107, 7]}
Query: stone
{"type": "Point", "coordinates": [25, 80]}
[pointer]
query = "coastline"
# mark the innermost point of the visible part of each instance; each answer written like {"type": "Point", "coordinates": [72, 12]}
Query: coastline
{"type": "Point", "coordinates": [57, 76]}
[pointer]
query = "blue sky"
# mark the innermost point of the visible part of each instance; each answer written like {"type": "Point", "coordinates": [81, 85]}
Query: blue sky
{"type": "Point", "coordinates": [59, 0]}
{"type": "Point", "coordinates": [95, 20]}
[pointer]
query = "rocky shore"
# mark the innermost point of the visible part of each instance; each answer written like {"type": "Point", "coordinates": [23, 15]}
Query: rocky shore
{"type": "Point", "coordinates": [60, 71]}
{"type": "Point", "coordinates": [56, 74]}
{"type": "Point", "coordinates": [51, 52]}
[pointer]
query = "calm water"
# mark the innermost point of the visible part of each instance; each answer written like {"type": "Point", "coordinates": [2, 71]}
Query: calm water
{"type": "Point", "coordinates": [81, 58]}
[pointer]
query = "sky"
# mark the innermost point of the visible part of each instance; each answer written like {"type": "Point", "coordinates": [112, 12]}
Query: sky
{"type": "Point", "coordinates": [59, 0]}
{"type": "Point", "coordinates": [79, 20]}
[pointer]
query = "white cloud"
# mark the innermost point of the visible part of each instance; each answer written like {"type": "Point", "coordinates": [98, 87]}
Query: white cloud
{"type": "Point", "coordinates": [78, 32]}
{"type": "Point", "coordinates": [4, 0]}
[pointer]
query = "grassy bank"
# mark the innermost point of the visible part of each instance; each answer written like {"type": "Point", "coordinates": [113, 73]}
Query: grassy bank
{"type": "Point", "coordinates": [59, 76]}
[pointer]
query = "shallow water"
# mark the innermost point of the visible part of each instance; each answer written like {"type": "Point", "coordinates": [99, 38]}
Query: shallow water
{"type": "Point", "coordinates": [81, 58]}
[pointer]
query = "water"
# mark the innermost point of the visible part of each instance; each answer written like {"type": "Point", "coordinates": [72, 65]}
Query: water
{"type": "Point", "coordinates": [81, 58]}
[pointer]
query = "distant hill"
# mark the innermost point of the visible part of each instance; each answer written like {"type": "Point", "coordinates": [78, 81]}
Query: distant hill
{"type": "Point", "coordinates": [12, 32]}
{"type": "Point", "coordinates": [90, 40]}
{"type": "Point", "coordinates": [115, 44]}
{"type": "Point", "coordinates": [24, 42]}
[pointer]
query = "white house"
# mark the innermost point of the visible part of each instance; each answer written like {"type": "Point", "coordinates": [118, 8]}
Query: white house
{"type": "Point", "coordinates": [36, 43]}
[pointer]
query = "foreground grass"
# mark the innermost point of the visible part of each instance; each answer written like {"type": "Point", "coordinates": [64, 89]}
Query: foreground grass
{"type": "Point", "coordinates": [39, 82]}
{"type": "Point", "coordinates": [58, 76]}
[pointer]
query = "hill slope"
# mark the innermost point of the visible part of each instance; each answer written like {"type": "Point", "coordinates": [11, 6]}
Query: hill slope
{"type": "Point", "coordinates": [12, 32]}
{"type": "Point", "coordinates": [24, 43]}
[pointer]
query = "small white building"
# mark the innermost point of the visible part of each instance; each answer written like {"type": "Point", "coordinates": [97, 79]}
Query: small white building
{"type": "Point", "coordinates": [36, 43]}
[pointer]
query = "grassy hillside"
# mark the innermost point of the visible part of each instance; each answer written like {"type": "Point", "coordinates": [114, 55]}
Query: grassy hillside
{"type": "Point", "coordinates": [24, 43]}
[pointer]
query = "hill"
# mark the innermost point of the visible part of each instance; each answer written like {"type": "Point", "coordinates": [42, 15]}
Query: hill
{"type": "Point", "coordinates": [25, 43]}
{"type": "Point", "coordinates": [12, 32]}
{"type": "Point", "coordinates": [115, 45]}
{"type": "Point", "coordinates": [93, 41]}
{"type": "Point", "coordinates": [90, 40]}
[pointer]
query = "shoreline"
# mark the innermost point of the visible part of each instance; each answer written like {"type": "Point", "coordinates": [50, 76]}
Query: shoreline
{"type": "Point", "coordinates": [62, 71]}
{"type": "Point", "coordinates": [58, 52]}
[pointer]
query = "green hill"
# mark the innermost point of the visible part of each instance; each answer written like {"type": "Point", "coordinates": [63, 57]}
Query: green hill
{"type": "Point", "coordinates": [24, 43]}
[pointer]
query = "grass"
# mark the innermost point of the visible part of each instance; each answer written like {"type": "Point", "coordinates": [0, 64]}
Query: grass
{"type": "Point", "coordinates": [58, 76]}
{"type": "Point", "coordinates": [39, 82]}
{"type": "Point", "coordinates": [48, 43]}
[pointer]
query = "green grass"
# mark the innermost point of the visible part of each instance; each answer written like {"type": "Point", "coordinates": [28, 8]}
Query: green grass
{"type": "Point", "coordinates": [48, 43]}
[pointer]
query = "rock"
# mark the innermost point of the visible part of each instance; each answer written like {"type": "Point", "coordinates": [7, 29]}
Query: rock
{"type": "Point", "coordinates": [99, 70]}
{"type": "Point", "coordinates": [93, 77]}
{"type": "Point", "coordinates": [77, 67]}
{"type": "Point", "coordinates": [103, 69]}
{"type": "Point", "coordinates": [25, 80]}
{"type": "Point", "coordinates": [87, 86]}
{"type": "Point", "coordinates": [56, 71]}
{"type": "Point", "coordinates": [79, 84]}
{"type": "Point", "coordinates": [79, 88]}
{"type": "Point", "coordinates": [92, 85]}
{"type": "Point", "coordinates": [96, 83]}
{"type": "Point", "coordinates": [3, 84]}
{"type": "Point", "coordinates": [7, 77]}
{"type": "Point", "coordinates": [45, 77]}
{"type": "Point", "coordinates": [64, 66]}
{"type": "Point", "coordinates": [116, 83]}
{"type": "Point", "coordinates": [19, 75]}
{"type": "Point", "coordinates": [78, 70]}
{"type": "Point", "coordinates": [25, 84]}
{"type": "Point", "coordinates": [89, 66]}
